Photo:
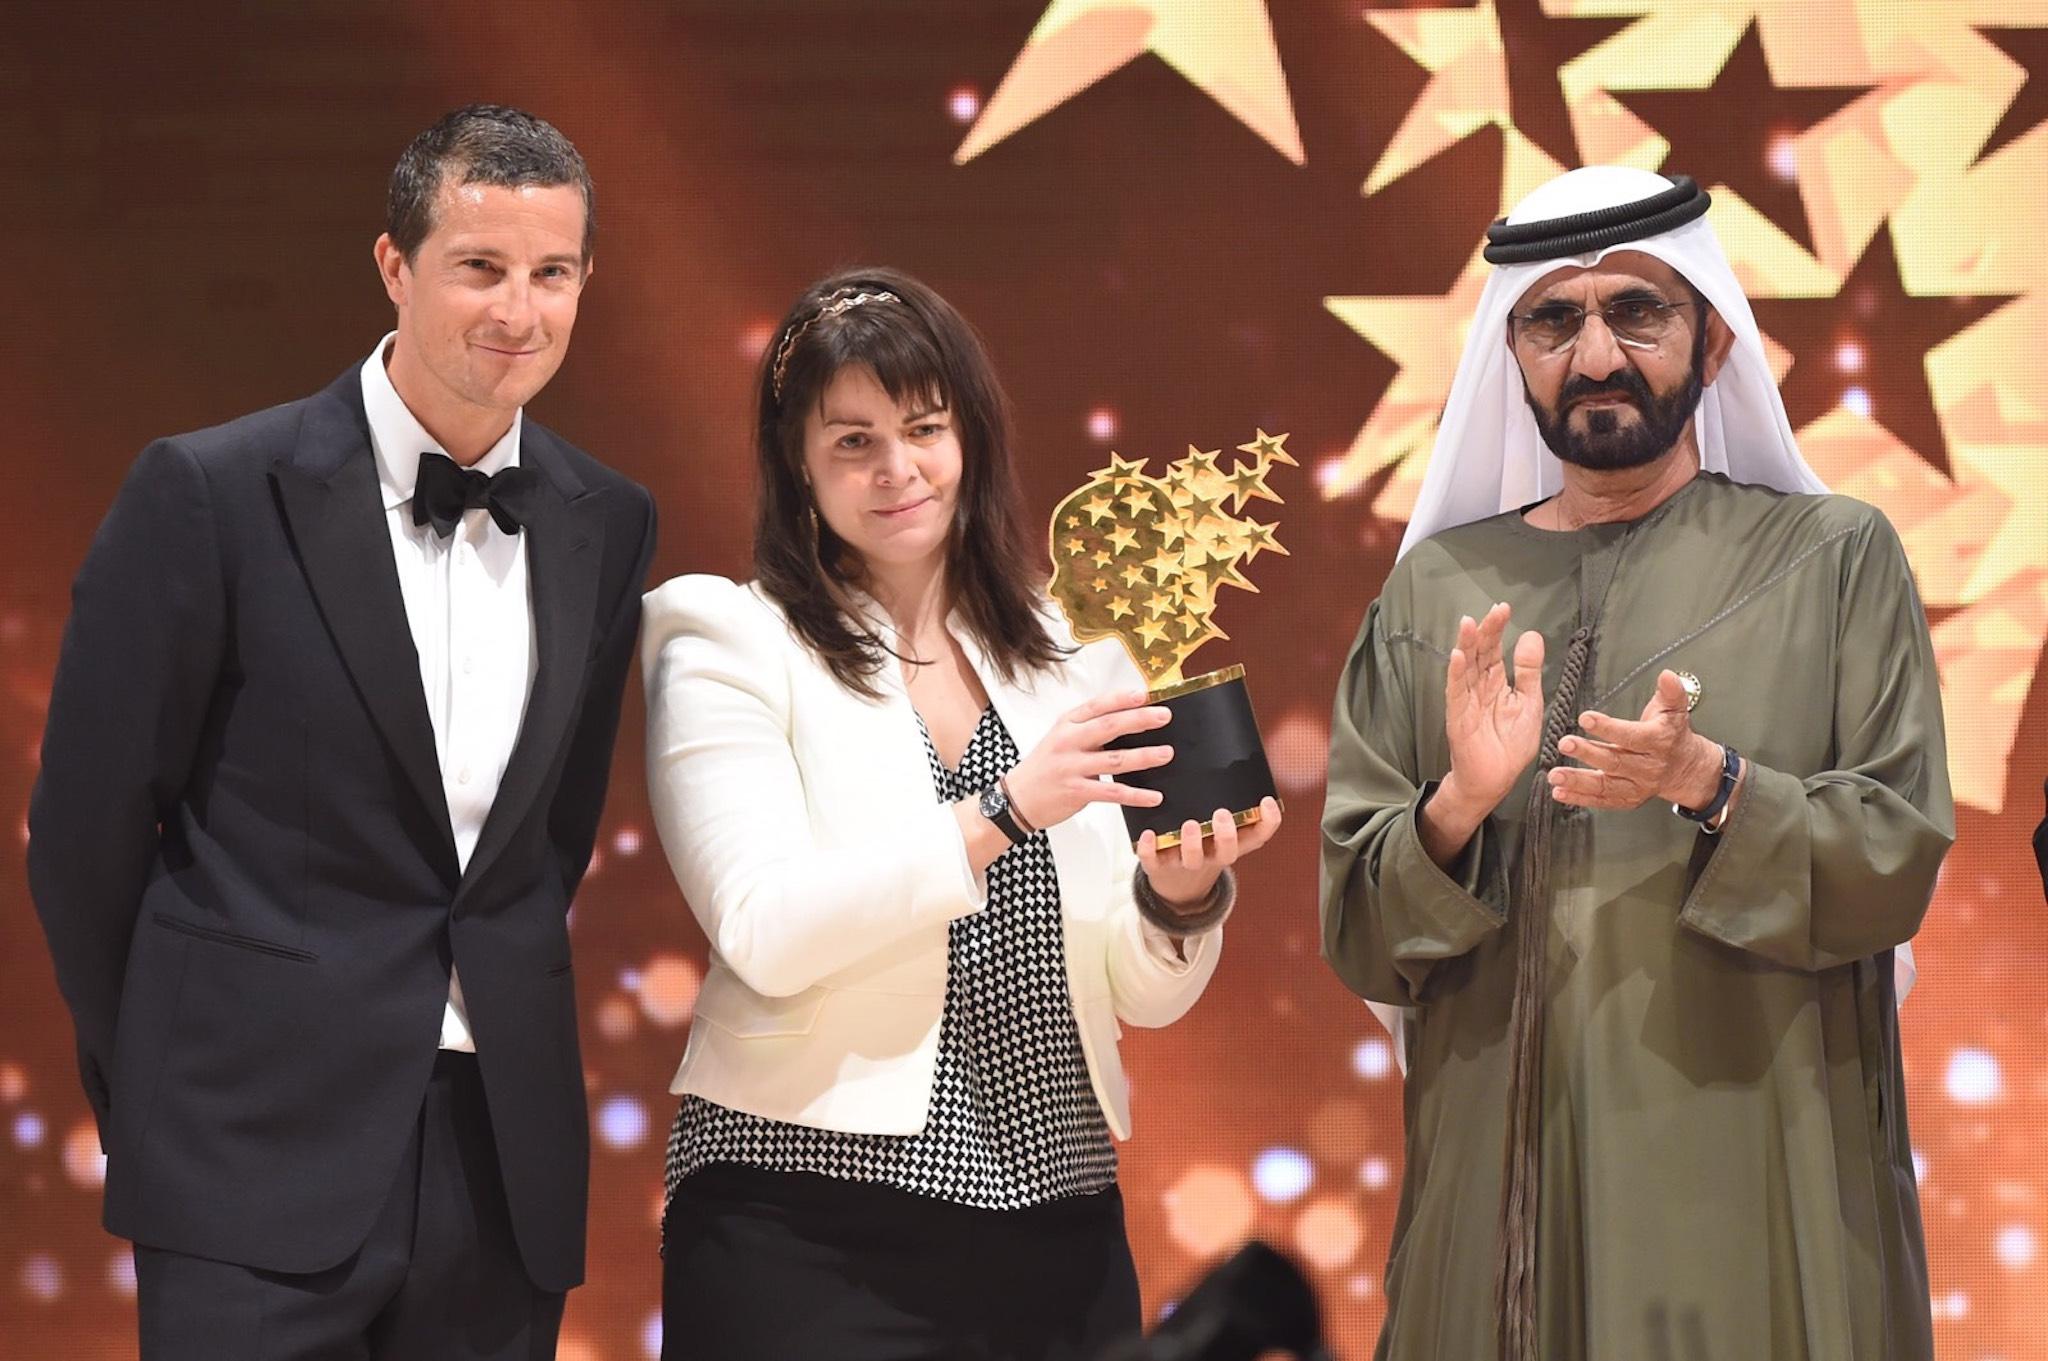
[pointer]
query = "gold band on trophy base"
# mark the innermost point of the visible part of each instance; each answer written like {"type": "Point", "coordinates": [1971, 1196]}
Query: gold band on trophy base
{"type": "Point", "coordinates": [1161, 694]}
{"type": "Point", "coordinates": [1240, 820]}
{"type": "Point", "coordinates": [1141, 559]}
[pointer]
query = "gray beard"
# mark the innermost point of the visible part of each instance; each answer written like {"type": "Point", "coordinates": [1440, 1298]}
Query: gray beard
{"type": "Point", "coordinates": [1607, 445]}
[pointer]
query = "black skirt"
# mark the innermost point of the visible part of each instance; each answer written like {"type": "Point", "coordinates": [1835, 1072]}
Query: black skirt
{"type": "Point", "coordinates": [793, 1266]}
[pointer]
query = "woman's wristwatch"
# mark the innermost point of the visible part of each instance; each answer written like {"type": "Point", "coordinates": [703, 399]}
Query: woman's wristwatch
{"type": "Point", "coordinates": [997, 808]}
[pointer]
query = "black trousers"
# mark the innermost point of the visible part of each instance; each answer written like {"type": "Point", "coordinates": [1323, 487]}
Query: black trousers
{"type": "Point", "coordinates": [789, 1266]}
{"type": "Point", "coordinates": [438, 1279]}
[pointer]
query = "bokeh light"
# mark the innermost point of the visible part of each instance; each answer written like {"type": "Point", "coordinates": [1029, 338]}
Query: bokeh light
{"type": "Point", "coordinates": [1209, 1211]}
{"type": "Point", "coordinates": [1282, 1174]}
{"type": "Point", "coordinates": [622, 1122]}
{"type": "Point", "coordinates": [1330, 474]}
{"type": "Point", "coordinates": [83, 1161]}
{"type": "Point", "coordinates": [42, 1279]}
{"type": "Point", "coordinates": [1784, 157]}
{"type": "Point", "coordinates": [667, 989]}
{"type": "Point", "coordinates": [617, 1019]}
{"type": "Point", "coordinates": [1973, 1078]}
{"type": "Point", "coordinates": [1329, 1232]}
{"type": "Point", "coordinates": [1298, 747]}
{"type": "Point", "coordinates": [755, 337]}
{"type": "Point", "coordinates": [1372, 1058]}
{"type": "Point", "coordinates": [2016, 1247]}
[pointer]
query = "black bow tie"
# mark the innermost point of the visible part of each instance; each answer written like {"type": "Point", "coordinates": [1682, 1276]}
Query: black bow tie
{"type": "Point", "coordinates": [446, 489]}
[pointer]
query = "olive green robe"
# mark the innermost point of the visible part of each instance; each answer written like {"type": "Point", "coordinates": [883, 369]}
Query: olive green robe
{"type": "Point", "coordinates": [1726, 1173]}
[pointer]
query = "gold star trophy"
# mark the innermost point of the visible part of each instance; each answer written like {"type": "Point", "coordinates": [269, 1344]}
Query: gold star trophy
{"type": "Point", "coordinates": [1141, 559]}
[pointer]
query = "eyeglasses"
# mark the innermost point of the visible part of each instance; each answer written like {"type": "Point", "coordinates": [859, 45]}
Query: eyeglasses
{"type": "Point", "coordinates": [1639, 323]}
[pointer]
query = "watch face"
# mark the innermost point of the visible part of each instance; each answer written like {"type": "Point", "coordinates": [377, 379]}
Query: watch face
{"type": "Point", "coordinates": [993, 802]}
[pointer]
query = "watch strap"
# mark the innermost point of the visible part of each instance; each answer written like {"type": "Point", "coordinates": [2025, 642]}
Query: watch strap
{"type": "Point", "coordinates": [1010, 803]}
{"type": "Point", "coordinates": [1731, 774]}
{"type": "Point", "coordinates": [995, 806]}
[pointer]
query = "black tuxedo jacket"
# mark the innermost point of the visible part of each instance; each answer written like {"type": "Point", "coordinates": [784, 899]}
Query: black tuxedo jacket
{"type": "Point", "coordinates": [2041, 845]}
{"type": "Point", "coordinates": [241, 855]}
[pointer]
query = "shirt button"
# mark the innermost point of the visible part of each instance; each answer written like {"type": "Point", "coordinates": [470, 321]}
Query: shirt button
{"type": "Point", "coordinates": [462, 775]}
{"type": "Point", "coordinates": [468, 665]}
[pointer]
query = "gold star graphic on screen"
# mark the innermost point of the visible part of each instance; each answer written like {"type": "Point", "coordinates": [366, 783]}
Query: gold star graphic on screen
{"type": "Point", "coordinates": [1174, 542]}
{"type": "Point", "coordinates": [1946, 154]}
{"type": "Point", "coordinates": [1424, 335]}
{"type": "Point", "coordinates": [1223, 47]}
{"type": "Point", "coordinates": [1505, 63]}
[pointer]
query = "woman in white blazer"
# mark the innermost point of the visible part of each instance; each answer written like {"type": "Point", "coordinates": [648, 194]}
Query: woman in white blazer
{"type": "Point", "coordinates": [901, 1085]}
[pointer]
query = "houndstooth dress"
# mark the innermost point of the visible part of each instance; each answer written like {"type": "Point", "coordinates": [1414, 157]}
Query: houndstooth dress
{"type": "Point", "coordinates": [1013, 1118]}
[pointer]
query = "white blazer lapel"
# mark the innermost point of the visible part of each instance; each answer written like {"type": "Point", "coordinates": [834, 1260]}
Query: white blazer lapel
{"type": "Point", "coordinates": [1028, 709]}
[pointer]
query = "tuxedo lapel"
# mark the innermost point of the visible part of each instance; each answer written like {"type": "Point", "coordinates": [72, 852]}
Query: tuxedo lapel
{"type": "Point", "coordinates": [565, 549]}
{"type": "Point", "coordinates": [335, 509]}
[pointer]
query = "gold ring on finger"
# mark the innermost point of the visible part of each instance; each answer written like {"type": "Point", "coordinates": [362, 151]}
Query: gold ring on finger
{"type": "Point", "coordinates": [1690, 683]}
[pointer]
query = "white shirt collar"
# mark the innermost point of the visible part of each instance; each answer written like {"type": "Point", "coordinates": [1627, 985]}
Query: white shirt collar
{"type": "Point", "coordinates": [398, 438]}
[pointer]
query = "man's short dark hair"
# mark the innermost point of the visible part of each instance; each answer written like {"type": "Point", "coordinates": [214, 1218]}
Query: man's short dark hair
{"type": "Point", "coordinates": [482, 144]}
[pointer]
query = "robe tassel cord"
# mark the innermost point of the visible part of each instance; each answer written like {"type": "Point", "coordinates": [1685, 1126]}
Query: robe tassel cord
{"type": "Point", "coordinates": [1515, 1276]}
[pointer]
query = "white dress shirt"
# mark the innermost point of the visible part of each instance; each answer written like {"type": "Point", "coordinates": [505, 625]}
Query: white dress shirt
{"type": "Point", "coordinates": [471, 614]}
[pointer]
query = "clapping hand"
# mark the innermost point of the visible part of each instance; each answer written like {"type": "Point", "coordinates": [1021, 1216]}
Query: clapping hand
{"type": "Point", "coordinates": [1627, 764]}
{"type": "Point", "coordinates": [1494, 728]}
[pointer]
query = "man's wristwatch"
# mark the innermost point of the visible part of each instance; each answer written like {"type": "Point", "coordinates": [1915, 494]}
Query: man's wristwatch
{"type": "Point", "coordinates": [1710, 816]}
{"type": "Point", "coordinates": [995, 806]}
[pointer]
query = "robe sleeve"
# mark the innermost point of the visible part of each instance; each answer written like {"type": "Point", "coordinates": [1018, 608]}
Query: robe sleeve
{"type": "Point", "coordinates": [1389, 913]}
{"type": "Point", "coordinates": [1817, 871]}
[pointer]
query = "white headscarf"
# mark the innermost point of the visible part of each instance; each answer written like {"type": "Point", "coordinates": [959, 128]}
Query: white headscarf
{"type": "Point", "coordinates": [1490, 457]}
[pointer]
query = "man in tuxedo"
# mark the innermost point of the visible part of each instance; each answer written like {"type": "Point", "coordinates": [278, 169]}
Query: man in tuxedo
{"type": "Point", "coordinates": [326, 752]}
{"type": "Point", "coordinates": [2041, 844]}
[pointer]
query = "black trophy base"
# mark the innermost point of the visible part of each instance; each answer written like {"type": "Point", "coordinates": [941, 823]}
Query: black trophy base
{"type": "Point", "coordinates": [1218, 760]}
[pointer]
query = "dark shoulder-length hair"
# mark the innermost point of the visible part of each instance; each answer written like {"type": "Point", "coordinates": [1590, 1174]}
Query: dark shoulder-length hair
{"type": "Point", "coordinates": [920, 350]}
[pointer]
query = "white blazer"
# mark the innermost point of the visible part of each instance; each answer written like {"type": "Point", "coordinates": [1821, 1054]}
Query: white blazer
{"type": "Point", "coordinates": [802, 825]}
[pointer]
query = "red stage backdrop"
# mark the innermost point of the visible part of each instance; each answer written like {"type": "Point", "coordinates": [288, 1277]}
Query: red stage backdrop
{"type": "Point", "coordinates": [1175, 221]}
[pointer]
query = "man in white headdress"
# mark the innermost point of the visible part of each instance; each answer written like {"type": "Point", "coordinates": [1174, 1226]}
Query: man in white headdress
{"type": "Point", "coordinates": [1637, 784]}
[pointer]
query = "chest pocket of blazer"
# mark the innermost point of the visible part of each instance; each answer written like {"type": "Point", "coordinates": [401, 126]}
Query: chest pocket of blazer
{"type": "Point", "coordinates": [734, 1007]}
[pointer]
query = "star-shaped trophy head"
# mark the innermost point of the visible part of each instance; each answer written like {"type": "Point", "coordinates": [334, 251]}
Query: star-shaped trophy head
{"type": "Point", "coordinates": [1141, 558]}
